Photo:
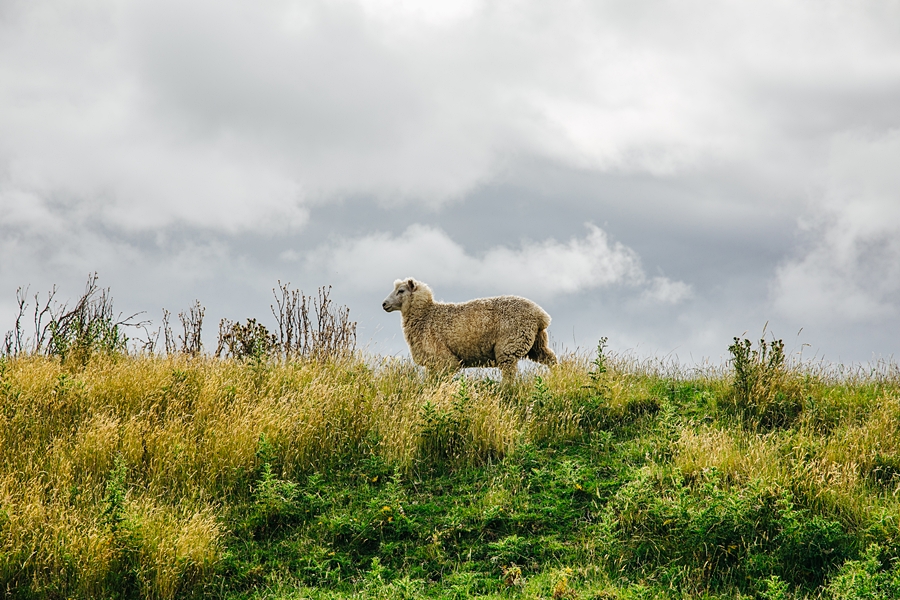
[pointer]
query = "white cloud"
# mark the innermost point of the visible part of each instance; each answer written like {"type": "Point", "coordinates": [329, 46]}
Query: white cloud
{"type": "Point", "coordinates": [850, 268]}
{"type": "Point", "coordinates": [541, 270]}
{"type": "Point", "coordinates": [662, 290]}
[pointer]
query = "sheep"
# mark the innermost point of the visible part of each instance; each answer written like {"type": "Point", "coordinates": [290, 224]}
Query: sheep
{"type": "Point", "coordinates": [485, 332]}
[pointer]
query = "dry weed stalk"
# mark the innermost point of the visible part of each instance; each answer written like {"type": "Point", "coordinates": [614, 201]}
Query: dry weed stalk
{"type": "Point", "coordinates": [14, 340]}
{"type": "Point", "coordinates": [171, 348]}
{"type": "Point", "coordinates": [312, 326]}
{"type": "Point", "coordinates": [91, 325]}
{"type": "Point", "coordinates": [192, 324]}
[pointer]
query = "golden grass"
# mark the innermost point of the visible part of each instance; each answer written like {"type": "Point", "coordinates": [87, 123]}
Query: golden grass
{"type": "Point", "coordinates": [737, 455]}
{"type": "Point", "coordinates": [842, 456]}
{"type": "Point", "coordinates": [189, 431]}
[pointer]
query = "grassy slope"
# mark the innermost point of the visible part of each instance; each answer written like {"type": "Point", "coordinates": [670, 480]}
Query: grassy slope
{"type": "Point", "coordinates": [173, 477]}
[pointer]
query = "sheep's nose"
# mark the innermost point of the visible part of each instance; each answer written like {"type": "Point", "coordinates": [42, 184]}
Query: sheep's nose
{"type": "Point", "coordinates": [384, 305]}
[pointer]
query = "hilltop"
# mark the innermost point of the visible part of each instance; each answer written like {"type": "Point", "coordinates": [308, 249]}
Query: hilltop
{"type": "Point", "coordinates": [192, 476]}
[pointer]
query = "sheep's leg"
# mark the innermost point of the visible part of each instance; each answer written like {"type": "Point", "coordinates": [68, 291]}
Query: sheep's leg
{"type": "Point", "coordinates": [509, 369]}
{"type": "Point", "coordinates": [509, 351]}
{"type": "Point", "coordinates": [442, 361]}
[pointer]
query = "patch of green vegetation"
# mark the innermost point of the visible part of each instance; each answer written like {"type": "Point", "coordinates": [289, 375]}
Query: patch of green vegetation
{"type": "Point", "coordinates": [255, 477]}
{"type": "Point", "coordinates": [606, 515]}
{"type": "Point", "coordinates": [465, 530]}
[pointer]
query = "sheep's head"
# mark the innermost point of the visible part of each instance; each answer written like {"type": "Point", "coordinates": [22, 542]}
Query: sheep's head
{"type": "Point", "coordinates": [400, 298]}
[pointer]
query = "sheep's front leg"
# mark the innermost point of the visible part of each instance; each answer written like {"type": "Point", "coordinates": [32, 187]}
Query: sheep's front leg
{"type": "Point", "coordinates": [509, 368]}
{"type": "Point", "coordinates": [442, 361]}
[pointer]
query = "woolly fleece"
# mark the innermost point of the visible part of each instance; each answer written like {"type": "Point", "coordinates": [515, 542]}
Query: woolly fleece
{"type": "Point", "coordinates": [486, 332]}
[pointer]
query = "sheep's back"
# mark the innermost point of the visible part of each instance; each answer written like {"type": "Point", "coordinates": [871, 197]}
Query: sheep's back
{"type": "Point", "coordinates": [472, 329]}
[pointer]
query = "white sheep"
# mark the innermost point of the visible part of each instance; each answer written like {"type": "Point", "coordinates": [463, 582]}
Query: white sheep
{"type": "Point", "coordinates": [486, 332]}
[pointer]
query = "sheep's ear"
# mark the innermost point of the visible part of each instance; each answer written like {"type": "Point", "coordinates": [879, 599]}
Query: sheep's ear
{"type": "Point", "coordinates": [411, 284]}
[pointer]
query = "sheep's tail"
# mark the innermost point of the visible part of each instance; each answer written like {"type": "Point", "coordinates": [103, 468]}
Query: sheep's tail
{"type": "Point", "coordinates": [540, 351]}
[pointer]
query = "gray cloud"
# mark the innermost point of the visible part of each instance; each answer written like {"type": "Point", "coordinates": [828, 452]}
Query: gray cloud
{"type": "Point", "coordinates": [849, 270]}
{"type": "Point", "coordinates": [737, 159]}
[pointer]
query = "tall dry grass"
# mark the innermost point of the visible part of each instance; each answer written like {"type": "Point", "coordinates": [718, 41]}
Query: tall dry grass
{"type": "Point", "coordinates": [115, 470]}
{"type": "Point", "coordinates": [839, 452]}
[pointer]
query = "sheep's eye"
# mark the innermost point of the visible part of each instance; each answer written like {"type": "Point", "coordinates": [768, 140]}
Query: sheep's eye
{"type": "Point", "coordinates": [400, 291]}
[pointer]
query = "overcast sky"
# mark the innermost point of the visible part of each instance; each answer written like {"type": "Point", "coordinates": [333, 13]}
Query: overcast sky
{"type": "Point", "coordinates": [667, 174]}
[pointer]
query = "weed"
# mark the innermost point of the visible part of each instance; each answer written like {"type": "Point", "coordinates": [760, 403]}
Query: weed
{"type": "Point", "coordinates": [869, 577]}
{"type": "Point", "coordinates": [168, 337]}
{"type": "Point", "coordinates": [775, 588]}
{"type": "Point", "coordinates": [91, 326]}
{"type": "Point", "coordinates": [512, 575]}
{"type": "Point", "coordinates": [763, 392]}
{"type": "Point", "coordinates": [275, 503]}
{"type": "Point", "coordinates": [442, 432]}
{"type": "Point", "coordinates": [75, 334]}
{"type": "Point", "coordinates": [598, 365]}
{"type": "Point", "coordinates": [192, 327]}
{"type": "Point", "coordinates": [250, 341]}
{"type": "Point", "coordinates": [562, 589]}
{"type": "Point", "coordinates": [116, 489]}
{"type": "Point", "coordinates": [312, 326]}
{"type": "Point", "coordinates": [547, 415]}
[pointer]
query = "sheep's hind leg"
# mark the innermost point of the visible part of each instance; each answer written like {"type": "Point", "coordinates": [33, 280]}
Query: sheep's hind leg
{"type": "Point", "coordinates": [540, 351]}
{"type": "Point", "coordinates": [508, 354]}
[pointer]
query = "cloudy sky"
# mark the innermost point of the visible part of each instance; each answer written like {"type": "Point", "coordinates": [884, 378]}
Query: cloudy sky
{"type": "Point", "coordinates": [667, 174]}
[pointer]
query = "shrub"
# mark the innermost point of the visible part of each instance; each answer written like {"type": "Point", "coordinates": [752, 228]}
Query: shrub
{"type": "Point", "coordinates": [249, 341]}
{"type": "Point", "coordinates": [445, 433]}
{"type": "Point", "coordinates": [721, 537]}
{"type": "Point", "coordinates": [91, 326]}
{"type": "Point", "coordinates": [871, 577]}
{"type": "Point", "coordinates": [764, 394]}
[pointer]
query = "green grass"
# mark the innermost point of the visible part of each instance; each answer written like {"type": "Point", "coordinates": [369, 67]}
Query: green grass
{"type": "Point", "coordinates": [163, 477]}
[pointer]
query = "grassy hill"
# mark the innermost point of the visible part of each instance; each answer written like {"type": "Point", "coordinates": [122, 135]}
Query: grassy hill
{"type": "Point", "coordinates": [129, 476]}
